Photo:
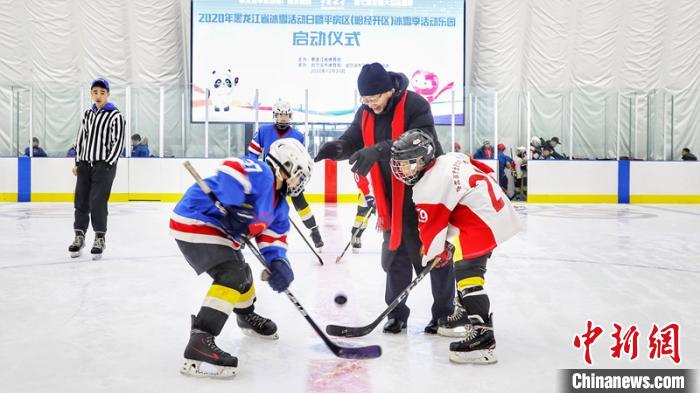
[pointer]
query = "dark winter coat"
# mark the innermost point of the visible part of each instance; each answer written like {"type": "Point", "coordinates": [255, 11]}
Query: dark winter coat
{"type": "Point", "coordinates": [417, 114]}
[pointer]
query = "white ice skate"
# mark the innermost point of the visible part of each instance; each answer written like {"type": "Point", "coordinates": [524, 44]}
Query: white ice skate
{"type": "Point", "coordinates": [201, 369]}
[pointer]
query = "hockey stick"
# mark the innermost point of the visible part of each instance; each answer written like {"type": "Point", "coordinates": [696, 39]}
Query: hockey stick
{"type": "Point", "coordinates": [354, 232]}
{"type": "Point", "coordinates": [306, 241]}
{"type": "Point", "coordinates": [346, 331]}
{"type": "Point", "coordinates": [368, 352]}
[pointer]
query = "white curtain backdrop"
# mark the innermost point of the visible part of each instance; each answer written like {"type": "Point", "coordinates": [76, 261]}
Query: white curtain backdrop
{"type": "Point", "coordinates": [585, 52]}
{"type": "Point", "coordinates": [577, 59]}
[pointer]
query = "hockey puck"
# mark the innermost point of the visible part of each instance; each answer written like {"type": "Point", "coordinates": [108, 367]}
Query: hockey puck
{"type": "Point", "coordinates": [341, 299]}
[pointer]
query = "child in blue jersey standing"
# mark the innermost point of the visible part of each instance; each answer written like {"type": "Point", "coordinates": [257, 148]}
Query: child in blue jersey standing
{"type": "Point", "coordinates": [253, 194]}
{"type": "Point", "coordinates": [260, 146]}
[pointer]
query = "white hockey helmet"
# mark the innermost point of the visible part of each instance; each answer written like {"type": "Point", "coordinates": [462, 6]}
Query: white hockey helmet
{"type": "Point", "coordinates": [289, 157]}
{"type": "Point", "coordinates": [282, 108]}
{"type": "Point", "coordinates": [536, 141]}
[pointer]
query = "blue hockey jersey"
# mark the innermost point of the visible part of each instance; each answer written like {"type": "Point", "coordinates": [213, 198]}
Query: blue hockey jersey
{"type": "Point", "coordinates": [195, 219]}
{"type": "Point", "coordinates": [268, 133]}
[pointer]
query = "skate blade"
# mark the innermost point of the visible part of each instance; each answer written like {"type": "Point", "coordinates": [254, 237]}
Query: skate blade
{"type": "Point", "coordinates": [253, 333]}
{"type": "Point", "coordinates": [76, 254]}
{"type": "Point", "coordinates": [199, 369]}
{"type": "Point", "coordinates": [355, 250]}
{"type": "Point", "coordinates": [482, 356]}
{"type": "Point", "coordinates": [458, 332]}
{"type": "Point", "coordinates": [96, 257]}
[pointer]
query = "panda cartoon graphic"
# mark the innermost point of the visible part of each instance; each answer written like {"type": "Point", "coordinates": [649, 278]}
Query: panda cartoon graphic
{"type": "Point", "coordinates": [426, 84]}
{"type": "Point", "coordinates": [221, 88]}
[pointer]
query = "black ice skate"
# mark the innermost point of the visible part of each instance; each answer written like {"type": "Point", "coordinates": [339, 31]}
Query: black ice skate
{"type": "Point", "coordinates": [316, 237]}
{"type": "Point", "coordinates": [76, 247]}
{"type": "Point", "coordinates": [356, 244]}
{"type": "Point", "coordinates": [98, 246]}
{"type": "Point", "coordinates": [255, 325]}
{"type": "Point", "coordinates": [204, 359]}
{"type": "Point", "coordinates": [479, 345]}
{"type": "Point", "coordinates": [456, 324]}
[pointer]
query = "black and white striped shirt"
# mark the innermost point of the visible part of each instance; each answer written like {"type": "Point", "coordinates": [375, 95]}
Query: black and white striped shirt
{"type": "Point", "coordinates": [101, 135]}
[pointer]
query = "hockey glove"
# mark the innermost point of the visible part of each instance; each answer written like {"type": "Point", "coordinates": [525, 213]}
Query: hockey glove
{"type": "Point", "coordinates": [445, 257]}
{"type": "Point", "coordinates": [331, 150]}
{"type": "Point", "coordinates": [369, 200]}
{"type": "Point", "coordinates": [235, 222]}
{"type": "Point", "coordinates": [281, 275]}
{"type": "Point", "coordinates": [363, 160]}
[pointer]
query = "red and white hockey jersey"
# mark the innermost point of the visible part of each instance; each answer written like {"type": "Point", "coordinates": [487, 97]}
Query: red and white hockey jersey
{"type": "Point", "coordinates": [456, 198]}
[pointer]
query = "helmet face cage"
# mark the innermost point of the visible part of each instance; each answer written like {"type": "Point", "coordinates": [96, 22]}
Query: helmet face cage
{"type": "Point", "coordinates": [282, 108]}
{"type": "Point", "coordinates": [296, 182]}
{"type": "Point", "coordinates": [291, 163]}
{"type": "Point", "coordinates": [410, 154]}
{"type": "Point", "coordinates": [407, 171]}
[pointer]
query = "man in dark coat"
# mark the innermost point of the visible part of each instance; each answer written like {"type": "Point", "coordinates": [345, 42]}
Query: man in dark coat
{"type": "Point", "coordinates": [389, 110]}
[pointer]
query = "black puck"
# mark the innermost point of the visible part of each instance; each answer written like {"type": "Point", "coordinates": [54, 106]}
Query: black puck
{"type": "Point", "coordinates": [341, 299]}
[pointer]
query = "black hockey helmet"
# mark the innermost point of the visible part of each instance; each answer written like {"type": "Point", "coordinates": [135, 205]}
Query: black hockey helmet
{"type": "Point", "coordinates": [410, 153]}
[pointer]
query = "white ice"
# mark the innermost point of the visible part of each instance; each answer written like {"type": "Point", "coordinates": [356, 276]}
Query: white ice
{"type": "Point", "coordinates": [121, 324]}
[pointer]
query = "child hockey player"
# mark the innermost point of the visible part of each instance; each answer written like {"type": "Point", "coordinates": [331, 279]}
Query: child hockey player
{"type": "Point", "coordinates": [259, 147]}
{"type": "Point", "coordinates": [454, 197]}
{"type": "Point", "coordinates": [252, 192]}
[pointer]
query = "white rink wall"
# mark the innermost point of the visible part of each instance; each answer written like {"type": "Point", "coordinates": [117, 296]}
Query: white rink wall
{"type": "Point", "coordinates": [164, 179]}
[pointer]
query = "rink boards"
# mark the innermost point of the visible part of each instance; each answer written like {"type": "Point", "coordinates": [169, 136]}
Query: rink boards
{"type": "Point", "coordinates": [164, 179]}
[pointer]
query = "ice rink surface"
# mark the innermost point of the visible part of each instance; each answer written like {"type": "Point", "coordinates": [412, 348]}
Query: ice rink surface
{"type": "Point", "coordinates": [121, 324]}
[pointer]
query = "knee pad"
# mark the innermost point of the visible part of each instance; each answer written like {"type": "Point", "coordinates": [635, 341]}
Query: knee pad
{"type": "Point", "coordinates": [235, 275]}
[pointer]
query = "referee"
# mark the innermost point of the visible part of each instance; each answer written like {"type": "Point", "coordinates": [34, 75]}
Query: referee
{"type": "Point", "coordinates": [97, 148]}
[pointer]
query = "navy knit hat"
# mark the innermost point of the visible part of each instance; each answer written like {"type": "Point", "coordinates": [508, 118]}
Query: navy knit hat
{"type": "Point", "coordinates": [100, 82]}
{"type": "Point", "coordinates": [373, 80]}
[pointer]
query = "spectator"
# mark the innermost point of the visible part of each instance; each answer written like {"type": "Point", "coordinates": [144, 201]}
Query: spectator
{"type": "Point", "coordinates": [485, 152]}
{"type": "Point", "coordinates": [504, 162]}
{"type": "Point", "coordinates": [553, 143]}
{"type": "Point", "coordinates": [457, 147]}
{"type": "Point", "coordinates": [36, 150]}
{"type": "Point", "coordinates": [686, 155]}
{"type": "Point", "coordinates": [139, 148]}
{"type": "Point", "coordinates": [546, 154]}
{"type": "Point", "coordinates": [71, 151]}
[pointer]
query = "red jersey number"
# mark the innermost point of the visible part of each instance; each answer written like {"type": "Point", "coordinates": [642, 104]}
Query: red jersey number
{"type": "Point", "coordinates": [497, 203]}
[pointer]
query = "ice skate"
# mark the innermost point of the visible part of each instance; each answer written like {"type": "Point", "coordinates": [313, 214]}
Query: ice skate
{"type": "Point", "coordinates": [356, 244]}
{"type": "Point", "coordinates": [316, 238]}
{"type": "Point", "coordinates": [204, 359]}
{"type": "Point", "coordinates": [479, 345]}
{"type": "Point", "coordinates": [98, 247]}
{"type": "Point", "coordinates": [255, 325]}
{"type": "Point", "coordinates": [456, 324]}
{"type": "Point", "coordinates": [76, 247]}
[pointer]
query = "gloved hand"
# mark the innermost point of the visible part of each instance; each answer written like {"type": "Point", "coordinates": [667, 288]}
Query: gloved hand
{"type": "Point", "coordinates": [445, 256]}
{"type": "Point", "coordinates": [369, 200]}
{"type": "Point", "coordinates": [363, 160]}
{"type": "Point", "coordinates": [332, 150]}
{"type": "Point", "coordinates": [281, 275]}
{"type": "Point", "coordinates": [236, 220]}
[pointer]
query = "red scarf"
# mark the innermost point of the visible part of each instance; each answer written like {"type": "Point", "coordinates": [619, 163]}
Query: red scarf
{"type": "Point", "coordinates": [386, 221]}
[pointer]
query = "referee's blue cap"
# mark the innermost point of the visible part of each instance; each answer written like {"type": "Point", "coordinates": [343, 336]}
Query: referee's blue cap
{"type": "Point", "coordinates": [100, 82]}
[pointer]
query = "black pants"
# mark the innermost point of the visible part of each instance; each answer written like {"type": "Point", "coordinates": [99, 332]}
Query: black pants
{"type": "Point", "coordinates": [399, 266]}
{"type": "Point", "coordinates": [92, 191]}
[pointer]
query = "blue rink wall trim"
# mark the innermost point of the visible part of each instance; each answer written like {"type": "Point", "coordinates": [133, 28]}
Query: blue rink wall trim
{"type": "Point", "coordinates": [24, 192]}
{"type": "Point", "coordinates": [623, 181]}
{"type": "Point", "coordinates": [24, 179]}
